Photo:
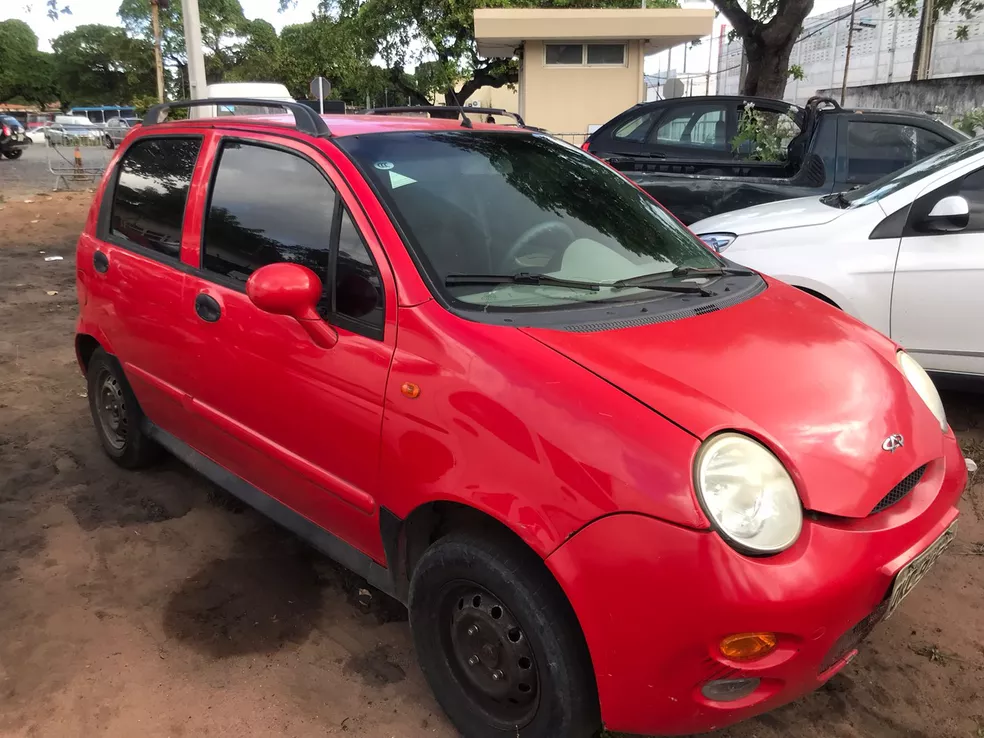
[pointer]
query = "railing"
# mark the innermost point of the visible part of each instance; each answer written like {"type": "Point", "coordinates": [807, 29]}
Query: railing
{"type": "Point", "coordinates": [574, 138]}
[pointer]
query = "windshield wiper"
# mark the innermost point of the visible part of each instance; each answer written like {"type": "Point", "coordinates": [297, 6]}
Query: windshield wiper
{"type": "Point", "coordinates": [657, 282]}
{"type": "Point", "coordinates": [685, 271]}
{"type": "Point", "coordinates": [836, 200]}
{"type": "Point", "coordinates": [521, 278]}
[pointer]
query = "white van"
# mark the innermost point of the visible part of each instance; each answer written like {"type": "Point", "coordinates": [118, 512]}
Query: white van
{"type": "Point", "coordinates": [251, 90]}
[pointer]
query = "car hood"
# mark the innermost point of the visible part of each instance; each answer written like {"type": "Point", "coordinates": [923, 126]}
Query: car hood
{"type": "Point", "coordinates": [773, 216]}
{"type": "Point", "coordinates": [819, 388]}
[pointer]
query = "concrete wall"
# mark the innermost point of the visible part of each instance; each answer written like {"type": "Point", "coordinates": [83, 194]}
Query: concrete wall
{"type": "Point", "coordinates": [568, 99]}
{"type": "Point", "coordinates": [882, 50]}
{"type": "Point", "coordinates": [948, 97]}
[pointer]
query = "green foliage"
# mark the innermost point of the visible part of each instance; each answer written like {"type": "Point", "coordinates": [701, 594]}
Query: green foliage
{"type": "Point", "coordinates": [764, 136]}
{"type": "Point", "coordinates": [101, 64]}
{"type": "Point", "coordinates": [25, 72]}
{"type": "Point", "coordinates": [796, 72]}
{"type": "Point", "coordinates": [971, 121]}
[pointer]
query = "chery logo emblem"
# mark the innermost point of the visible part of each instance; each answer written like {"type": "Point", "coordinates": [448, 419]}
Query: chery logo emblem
{"type": "Point", "coordinates": [893, 442]}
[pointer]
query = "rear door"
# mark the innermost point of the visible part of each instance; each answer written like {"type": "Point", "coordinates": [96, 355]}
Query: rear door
{"type": "Point", "coordinates": [938, 296]}
{"type": "Point", "coordinates": [300, 422]}
{"type": "Point", "coordinates": [133, 274]}
{"type": "Point", "coordinates": [695, 130]}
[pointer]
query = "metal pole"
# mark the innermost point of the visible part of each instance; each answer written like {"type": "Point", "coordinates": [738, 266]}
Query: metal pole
{"type": "Point", "coordinates": [193, 48]}
{"type": "Point", "coordinates": [321, 94]}
{"type": "Point", "coordinates": [847, 58]}
{"type": "Point", "coordinates": [710, 58]}
{"type": "Point", "coordinates": [891, 55]}
{"type": "Point", "coordinates": [158, 65]}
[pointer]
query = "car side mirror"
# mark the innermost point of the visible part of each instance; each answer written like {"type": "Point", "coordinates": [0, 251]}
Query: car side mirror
{"type": "Point", "coordinates": [949, 214]}
{"type": "Point", "coordinates": [292, 290]}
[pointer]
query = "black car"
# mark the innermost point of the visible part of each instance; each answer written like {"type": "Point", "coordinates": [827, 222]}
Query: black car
{"type": "Point", "coordinates": [13, 139]}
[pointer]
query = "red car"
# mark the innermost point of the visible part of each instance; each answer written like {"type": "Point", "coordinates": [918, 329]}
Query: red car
{"type": "Point", "coordinates": [616, 478]}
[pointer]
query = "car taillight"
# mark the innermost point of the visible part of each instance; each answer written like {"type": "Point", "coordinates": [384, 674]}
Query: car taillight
{"type": "Point", "coordinates": [6, 130]}
{"type": "Point", "coordinates": [586, 146]}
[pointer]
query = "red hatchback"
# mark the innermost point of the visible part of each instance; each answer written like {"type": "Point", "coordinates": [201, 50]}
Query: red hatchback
{"type": "Point", "coordinates": [616, 478]}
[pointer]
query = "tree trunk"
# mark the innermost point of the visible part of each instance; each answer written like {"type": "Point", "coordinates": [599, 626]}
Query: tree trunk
{"type": "Point", "coordinates": [768, 68]}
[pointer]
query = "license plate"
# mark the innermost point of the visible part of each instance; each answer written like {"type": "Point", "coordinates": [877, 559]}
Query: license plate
{"type": "Point", "coordinates": [909, 576]}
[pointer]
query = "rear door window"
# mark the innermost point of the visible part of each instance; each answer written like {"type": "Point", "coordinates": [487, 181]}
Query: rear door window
{"type": "Point", "coordinates": [151, 193]}
{"type": "Point", "coordinates": [696, 127]}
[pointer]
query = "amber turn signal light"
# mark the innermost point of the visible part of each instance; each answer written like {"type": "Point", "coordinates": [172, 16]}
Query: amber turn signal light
{"type": "Point", "coordinates": [748, 646]}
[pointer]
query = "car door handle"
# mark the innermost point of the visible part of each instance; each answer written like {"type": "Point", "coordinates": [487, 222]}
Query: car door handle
{"type": "Point", "coordinates": [100, 262]}
{"type": "Point", "coordinates": [208, 308]}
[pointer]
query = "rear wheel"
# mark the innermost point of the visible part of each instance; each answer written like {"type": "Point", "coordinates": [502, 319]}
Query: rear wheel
{"type": "Point", "coordinates": [109, 143]}
{"type": "Point", "coordinates": [499, 643]}
{"type": "Point", "coordinates": [117, 415]}
{"type": "Point", "coordinates": [13, 153]}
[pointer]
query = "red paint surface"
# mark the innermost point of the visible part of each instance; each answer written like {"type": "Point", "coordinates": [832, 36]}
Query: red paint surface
{"type": "Point", "coordinates": [583, 444]}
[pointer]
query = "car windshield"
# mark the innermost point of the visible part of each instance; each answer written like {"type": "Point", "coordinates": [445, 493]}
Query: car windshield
{"type": "Point", "coordinates": [914, 172]}
{"type": "Point", "coordinates": [526, 207]}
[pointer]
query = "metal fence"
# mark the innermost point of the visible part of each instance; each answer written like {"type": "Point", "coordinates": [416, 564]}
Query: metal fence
{"type": "Point", "coordinates": [574, 138]}
{"type": "Point", "coordinates": [76, 158]}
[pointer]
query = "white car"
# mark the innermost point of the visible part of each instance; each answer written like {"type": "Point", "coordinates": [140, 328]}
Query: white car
{"type": "Point", "coordinates": [904, 254]}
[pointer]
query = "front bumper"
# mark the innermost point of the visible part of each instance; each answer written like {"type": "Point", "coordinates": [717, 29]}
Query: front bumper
{"type": "Point", "coordinates": [654, 600]}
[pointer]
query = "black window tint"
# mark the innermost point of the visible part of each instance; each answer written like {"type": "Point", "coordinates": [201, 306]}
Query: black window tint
{"type": "Point", "coordinates": [876, 149]}
{"type": "Point", "coordinates": [972, 189]}
{"type": "Point", "coordinates": [565, 53]}
{"type": "Point", "coordinates": [929, 143]}
{"type": "Point", "coordinates": [635, 129]}
{"type": "Point", "coordinates": [358, 288]}
{"type": "Point", "coordinates": [151, 192]}
{"type": "Point", "coordinates": [267, 206]}
{"type": "Point", "coordinates": [606, 53]}
{"type": "Point", "coordinates": [703, 126]}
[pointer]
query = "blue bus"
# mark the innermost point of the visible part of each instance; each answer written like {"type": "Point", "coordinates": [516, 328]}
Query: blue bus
{"type": "Point", "coordinates": [102, 113]}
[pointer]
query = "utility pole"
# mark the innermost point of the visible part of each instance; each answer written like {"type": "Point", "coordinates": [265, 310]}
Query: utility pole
{"type": "Point", "coordinates": [710, 58]}
{"type": "Point", "coordinates": [155, 20]}
{"type": "Point", "coordinates": [847, 59]}
{"type": "Point", "coordinates": [924, 42]}
{"type": "Point", "coordinates": [193, 48]}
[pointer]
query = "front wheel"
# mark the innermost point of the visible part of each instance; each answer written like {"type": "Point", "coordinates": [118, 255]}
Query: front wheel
{"type": "Point", "coordinates": [109, 143]}
{"type": "Point", "coordinates": [499, 643]}
{"type": "Point", "coordinates": [13, 153]}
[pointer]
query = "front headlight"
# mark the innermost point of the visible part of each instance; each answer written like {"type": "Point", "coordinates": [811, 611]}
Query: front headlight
{"type": "Point", "coordinates": [748, 494]}
{"type": "Point", "coordinates": [717, 241]}
{"type": "Point", "coordinates": [923, 386]}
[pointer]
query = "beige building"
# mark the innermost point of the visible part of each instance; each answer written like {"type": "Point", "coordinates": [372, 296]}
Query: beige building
{"type": "Point", "coordinates": [580, 67]}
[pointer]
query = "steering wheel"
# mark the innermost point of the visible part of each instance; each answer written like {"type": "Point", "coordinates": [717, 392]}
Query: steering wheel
{"type": "Point", "coordinates": [531, 234]}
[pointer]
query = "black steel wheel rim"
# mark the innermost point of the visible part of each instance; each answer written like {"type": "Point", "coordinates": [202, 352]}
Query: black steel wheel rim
{"type": "Point", "coordinates": [111, 409]}
{"type": "Point", "coordinates": [489, 654]}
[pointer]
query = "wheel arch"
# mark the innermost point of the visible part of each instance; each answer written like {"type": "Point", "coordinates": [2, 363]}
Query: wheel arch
{"type": "Point", "coordinates": [85, 347]}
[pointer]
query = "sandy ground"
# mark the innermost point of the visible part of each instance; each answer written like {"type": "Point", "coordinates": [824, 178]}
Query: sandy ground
{"type": "Point", "coordinates": [150, 604]}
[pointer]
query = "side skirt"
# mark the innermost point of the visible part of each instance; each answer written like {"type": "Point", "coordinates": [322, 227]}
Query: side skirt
{"type": "Point", "coordinates": [330, 545]}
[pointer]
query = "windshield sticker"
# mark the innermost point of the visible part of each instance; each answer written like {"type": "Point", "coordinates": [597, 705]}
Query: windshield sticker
{"type": "Point", "coordinates": [384, 165]}
{"type": "Point", "coordinates": [398, 180]}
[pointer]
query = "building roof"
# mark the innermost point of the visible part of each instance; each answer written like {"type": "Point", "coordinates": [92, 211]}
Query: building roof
{"type": "Point", "coordinates": [500, 31]}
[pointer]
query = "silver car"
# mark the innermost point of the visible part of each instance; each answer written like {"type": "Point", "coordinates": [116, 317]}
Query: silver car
{"type": "Point", "coordinates": [117, 128]}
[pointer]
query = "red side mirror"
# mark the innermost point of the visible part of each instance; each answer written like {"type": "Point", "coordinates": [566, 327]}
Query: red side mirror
{"type": "Point", "coordinates": [293, 290]}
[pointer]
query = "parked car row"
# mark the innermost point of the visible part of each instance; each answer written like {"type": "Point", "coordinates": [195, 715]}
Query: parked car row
{"type": "Point", "coordinates": [617, 477]}
{"type": "Point", "coordinates": [68, 130]}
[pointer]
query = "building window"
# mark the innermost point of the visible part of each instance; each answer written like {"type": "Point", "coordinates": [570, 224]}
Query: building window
{"type": "Point", "coordinates": [606, 54]}
{"type": "Point", "coordinates": [585, 54]}
{"type": "Point", "coordinates": [565, 54]}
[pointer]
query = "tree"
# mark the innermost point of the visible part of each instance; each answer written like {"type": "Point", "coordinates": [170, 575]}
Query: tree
{"type": "Point", "coordinates": [25, 72]}
{"type": "Point", "coordinates": [101, 64]}
{"type": "Point", "coordinates": [223, 27]}
{"type": "Point", "coordinates": [768, 29]}
{"type": "Point", "coordinates": [409, 33]}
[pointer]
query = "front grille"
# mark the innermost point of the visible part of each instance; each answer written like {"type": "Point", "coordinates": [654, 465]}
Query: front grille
{"type": "Point", "coordinates": [900, 490]}
{"type": "Point", "coordinates": [853, 638]}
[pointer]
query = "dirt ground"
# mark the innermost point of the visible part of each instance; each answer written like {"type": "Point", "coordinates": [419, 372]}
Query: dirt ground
{"type": "Point", "coordinates": [149, 604]}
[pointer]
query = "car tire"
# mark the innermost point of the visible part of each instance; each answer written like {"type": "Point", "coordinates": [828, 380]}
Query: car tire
{"type": "Point", "coordinates": [109, 143]}
{"type": "Point", "coordinates": [499, 643]}
{"type": "Point", "coordinates": [117, 415]}
{"type": "Point", "coordinates": [14, 153]}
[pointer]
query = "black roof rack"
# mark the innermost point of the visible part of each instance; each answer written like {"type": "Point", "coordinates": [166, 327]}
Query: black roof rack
{"type": "Point", "coordinates": [306, 120]}
{"type": "Point", "coordinates": [445, 110]}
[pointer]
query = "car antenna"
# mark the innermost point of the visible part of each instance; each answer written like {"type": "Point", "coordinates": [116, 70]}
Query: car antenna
{"type": "Point", "coordinates": [465, 120]}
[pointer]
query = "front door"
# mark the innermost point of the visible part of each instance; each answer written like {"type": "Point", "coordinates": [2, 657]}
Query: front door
{"type": "Point", "coordinates": [938, 297]}
{"type": "Point", "coordinates": [133, 276]}
{"type": "Point", "coordinates": [300, 422]}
